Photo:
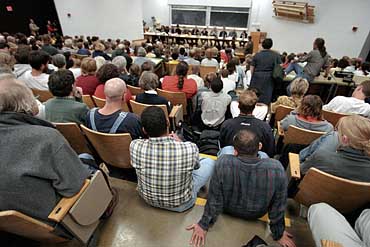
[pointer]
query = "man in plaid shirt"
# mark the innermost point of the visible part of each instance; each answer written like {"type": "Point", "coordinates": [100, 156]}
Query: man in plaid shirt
{"type": "Point", "coordinates": [168, 170]}
{"type": "Point", "coordinates": [248, 187]}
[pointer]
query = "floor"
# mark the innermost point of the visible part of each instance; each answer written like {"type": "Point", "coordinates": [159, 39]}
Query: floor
{"type": "Point", "coordinates": [135, 224]}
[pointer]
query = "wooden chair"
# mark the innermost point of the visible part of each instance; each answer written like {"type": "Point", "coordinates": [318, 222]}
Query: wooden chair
{"type": "Point", "coordinates": [171, 68]}
{"type": "Point", "coordinates": [204, 70]}
{"type": "Point", "coordinates": [327, 243]}
{"type": "Point", "coordinates": [79, 214]}
{"type": "Point", "coordinates": [174, 117]}
{"type": "Point", "coordinates": [79, 56]}
{"type": "Point", "coordinates": [73, 134]}
{"type": "Point", "coordinates": [113, 149]}
{"type": "Point", "coordinates": [318, 186]}
{"type": "Point", "coordinates": [281, 112]}
{"type": "Point", "coordinates": [88, 101]}
{"type": "Point", "coordinates": [42, 95]}
{"type": "Point", "coordinates": [135, 90]}
{"type": "Point", "coordinates": [295, 135]}
{"type": "Point", "coordinates": [101, 102]}
{"type": "Point", "coordinates": [333, 117]}
{"type": "Point", "coordinates": [176, 98]}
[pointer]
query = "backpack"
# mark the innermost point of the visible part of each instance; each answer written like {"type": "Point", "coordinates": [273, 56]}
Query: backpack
{"type": "Point", "coordinates": [208, 142]}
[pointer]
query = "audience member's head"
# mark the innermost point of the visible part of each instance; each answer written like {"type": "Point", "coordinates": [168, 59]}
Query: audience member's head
{"type": "Point", "coordinates": [46, 39]}
{"type": "Point", "coordinates": [209, 53]}
{"type": "Point", "coordinates": [362, 91]}
{"type": "Point", "coordinates": [39, 60]}
{"type": "Point", "coordinates": [224, 73]}
{"type": "Point", "coordinates": [68, 43]}
{"type": "Point", "coordinates": [59, 61]}
{"type": "Point", "coordinates": [21, 55]}
{"type": "Point", "coordinates": [319, 44]}
{"type": "Point", "coordinates": [192, 53]}
{"type": "Point", "coordinates": [61, 83]}
{"type": "Point", "coordinates": [115, 90]}
{"type": "Point", "coordinates": [16, 97]}
{"type": "Point", "coordinates": [365, 68]}
{"type": "Point", "coordinates": [181, 71]}
{"type": "Point", "coordinates": [121, 63]}
{"type": "Point", "coordinates": [135, 70]}
{"type": "Point", "coordinates": [299, 87]}
{"type": "Point", "coordinates": [175, 55]}
{"type": "Point", "coordinates": [6, 60]}
{"type": "Point", "coordinates": [154, 121]}
{"type": "Point", "coordinates": [195, 70]}
{"type": "Point", "coordinates": [267, 44]}
{"type": "Point", "coordinates": [100, 61]}
{"type": "Point", "coordinates": [246, 143]}
{"type": "Point", "coordinates": [311, 106]}
{"type": "Point", "coordinates": [141, 52]}
{"type": "Point", "coordinates": [247, 101]}
{"type": "Point", "coordinates": [217, 85]}
{"type": "Point", "coordinates": [107, 72]}
{"type": "Point", "coordinates": [148, 81]}
{"type": "Point", "coordinates": [343, 63]}
{"type": "Point", "coordinates": [147, 66]}
{"type": "Point", "coordinates": [88, 66]}
{"type": "Point", "coordinates": [209, 78]}
{"type": "Point", "coordinates": [354, 131]}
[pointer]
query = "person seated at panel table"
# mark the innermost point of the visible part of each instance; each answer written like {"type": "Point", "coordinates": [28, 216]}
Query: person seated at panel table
{"type": "Point", "coordinates": [233, 34]}
{"type": "Point", "coordinates": [180, 82]}
{"type": "Point", "coordinates": [204, 32]}
{"type": "Point", "coordinates": [111, 119]}
{"type": "Point", "coordinates": [298, 89]}
{"type": "Point", "coordinates": [248, 187]}
{"type": "Point", "coordinates": [308, 116]}
{"type": "Point", "coordinates": [209, 61]}
{"type": "Point", "coordinates": [195, 31]}
{"type": "Point", "coordinates": [214, 32]}
{"type": "Point", "coordinates": [326, 223]}
{"type": "Point", "coordinates": [364, 70]}
{"type": "Point", "coordinates": [352, 105]}
{"type": "Point", "coordinates": [66, 106]}
{"type": "Point", "coordinates": [149, 82]}
{"type": "Point", "coordinates": [223, 33]}
{"type": "Point", "coordinates": [349, 146]}
{"type": "Point", "coordinates": [154, 160]}
{"type": "Point", "coordinates": [178, 29]}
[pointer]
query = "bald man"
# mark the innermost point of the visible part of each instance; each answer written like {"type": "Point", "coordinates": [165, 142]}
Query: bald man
{"type": "Point", "coordinates": [110, 118]}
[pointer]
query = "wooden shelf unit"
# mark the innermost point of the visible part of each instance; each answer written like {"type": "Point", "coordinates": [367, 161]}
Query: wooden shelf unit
{"type": "Point", "coordinates": [299, 11]}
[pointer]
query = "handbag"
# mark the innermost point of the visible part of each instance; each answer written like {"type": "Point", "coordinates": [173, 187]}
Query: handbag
{"type": "Point", "coordinates": [278, 72]}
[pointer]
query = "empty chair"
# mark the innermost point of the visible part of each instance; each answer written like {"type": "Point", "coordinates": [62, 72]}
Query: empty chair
{"type": "Point", "coordinates": [135, 90]}
{"type": "Point", "coordinates": [176, 98]}
{"type": "Point", "coordinates": [88, 101]}
{"type": "Point", "coordinates": [101, 102]}
{"type": "Point", "coordinates": [113, 149]}
{"type": "Point", "coordinates": [42, 95]}
{"type": "Point", "coordinates": [73, 134]}
{"type": "Point", "coordinates": [333, 117]}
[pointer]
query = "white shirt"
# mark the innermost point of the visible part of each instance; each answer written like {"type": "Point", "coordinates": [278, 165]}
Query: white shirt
{"type": "Point", "coordinates": [260, 111]}
{"type": "Point", "coordinates": [210, 62]}
{"type": "Point", "coordinates": [214, 106]}
{"type": "Point", "coordinates": [37, 82]}
{"type": "Point", "coordinates": [229, 85]}
{"type": "Point", "coordinates": [76, 72]}
{"type": "Point", "coordinates": [348, 105]}
{"type": "Point", "coordinates": [197, 79]}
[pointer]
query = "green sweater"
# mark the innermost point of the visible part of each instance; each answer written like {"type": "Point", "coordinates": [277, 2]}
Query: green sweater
{"type": "Point", "coordinates": [65, 109]}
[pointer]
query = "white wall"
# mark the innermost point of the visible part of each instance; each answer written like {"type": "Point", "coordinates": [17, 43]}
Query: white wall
{"type": "Point", "coordinates": [333, 22]}
{"type": "Point", "coordinates": [106, 19]}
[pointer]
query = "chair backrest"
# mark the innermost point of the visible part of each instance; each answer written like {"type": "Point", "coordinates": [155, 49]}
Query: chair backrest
{"type": "Point", "coordinates": [135, 90]}
{"type": "Point", "coordinates": [101, 102]}
{"type": "Point", "coordinates": [204, 70]}
{"type": "Point", "coordinates": [20, 224]}
{"type": "Point", "coordinates": [281, 112]}
{"type": "Point", "coordinates": [113, 149]}
{"type": "Point", "coordinates": [79, 56]}
{"type": "Point", "coordinates": [73, 134]}
{"type": "Point", "coordinates": [342, 194]}
{"type": "Point", "coordinates": [138, 108]}
{"type": "Point", "coordinates": [88, 101]}
{"type": "Point", "coordinates": [176, 98]}
{"type": "Point", "coordinates": [296, 135]}
{"type": "Point", "coordinates": [190, 70]}
{"type": "Point", "coordinates": [171, 68]}
{"type": "Point", "coordinates": [333, 117]}
{"type": "Point", "coordinates": [42, 95]}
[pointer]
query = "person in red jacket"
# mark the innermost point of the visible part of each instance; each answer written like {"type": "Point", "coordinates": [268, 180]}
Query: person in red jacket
{"type": "Point", "coordinates": [179, 82]}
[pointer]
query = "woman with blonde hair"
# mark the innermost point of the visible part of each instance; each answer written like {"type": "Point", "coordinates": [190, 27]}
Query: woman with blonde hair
{"type": "Point", "coordinates": [298, 89]}
{"type": "Point", "coordinates": [99, 49]}
{"type": "Point", "coordinates": [344, 153]}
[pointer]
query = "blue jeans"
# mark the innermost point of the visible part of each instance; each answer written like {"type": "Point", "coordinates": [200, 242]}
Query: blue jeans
{"type": "Point", "coordinates": [299, 73]}
{"type": "Point", "coordinates": [230, 150]}
{"type": "Point", "coordinates": [200, 178]}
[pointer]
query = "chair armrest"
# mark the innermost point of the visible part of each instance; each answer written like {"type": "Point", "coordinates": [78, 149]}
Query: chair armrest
{"type": "Point", "coordinates": [294, 168]}
{"type": "Point", "coordinates": [328, 243]}
{"type": "Point", "coordinates": [177, 114]}
{"type": "Point", "coordinates": [65, 204]}
{"type": "Point", "coordinates": [280, 129]}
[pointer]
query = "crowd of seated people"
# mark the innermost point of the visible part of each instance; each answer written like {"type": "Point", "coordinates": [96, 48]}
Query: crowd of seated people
{"type": "Point", "coordinates": [234, 100]}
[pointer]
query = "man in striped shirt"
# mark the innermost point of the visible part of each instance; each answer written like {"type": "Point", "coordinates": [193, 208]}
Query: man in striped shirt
{"type": "Point", "coordinates": [248, 187]}
{"type": "Point", "coordinates": [168, 170]}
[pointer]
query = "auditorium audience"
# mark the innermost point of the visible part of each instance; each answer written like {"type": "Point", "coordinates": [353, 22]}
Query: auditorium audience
{"type": "Point", "coordinates": [99, 52]}
{"type": "Point", "coordinates": [88, 80]}
{"type": "Point", "coordinates": [180, 82]}
{"type": "Point", "coordinates": [209, 61]}
{"type": "Point", "coordinates": [154, 159]}
{"type": "Point", "coordinates": [190, 60]}
{"type": "Point", "coordinates": [111, 119]}
{"type": "Point", "coordinates": [247, 102]}
{"type": "Point", "coordinates": [66, 106]}
{"type": "Point", "coordinates": [106, 72]}
{"type": "Point", "coordinates": [214, 105]}
{"type": "Point", "coordinates": [141, 57]}
{"type": "Point", "coordinates": [352, 105]}
{"type": "Point", "coordinates": [76, 67]}
{"type": "Point", "coordinates": [37, 77]}
{"type": "Point", "coordinates": [47, 47]}
{"type": "Point", "coordinates": [83, 49]}
{"type": "Point", "coordinates": [195, 75]}
{"type": "Point", "coordinates": [121, 63]}
{"type": "Point", "coordinates": [120, 51]}
{"type": "Point", "coordinates": [22, 64]}
{"type": "Point", "coordinates": [364, 70]}
{"type": "Point", "coordinates": [133, 77]}
{"type": "Point", "coordinates": [344, 153]}
{"type": "Point", "coordinates": [248, 187]}
{"type": "Point", "coordinates": [228, 84]}
{"type": "Point", "coordinates": [298, 88]}
{"type": "Point", "coordinates": [59, 62]}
